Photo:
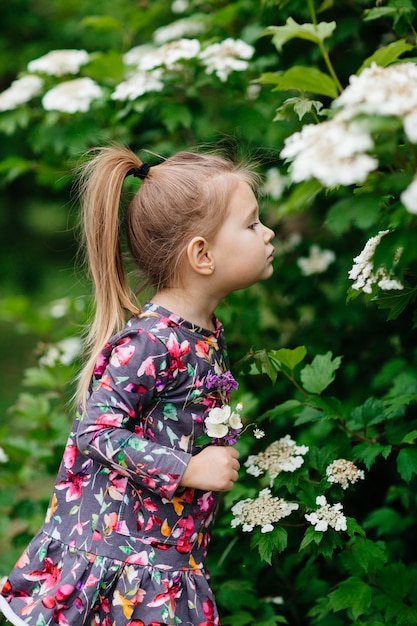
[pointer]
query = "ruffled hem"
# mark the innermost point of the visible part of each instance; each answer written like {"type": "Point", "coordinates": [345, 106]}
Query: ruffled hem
{"type": "Point", "coordinates": [54, 584]}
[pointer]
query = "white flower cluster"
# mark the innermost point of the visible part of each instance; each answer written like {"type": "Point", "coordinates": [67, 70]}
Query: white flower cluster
{"type": "Point", "coordinates": [274, 183]}
{"type": "Point", "coordinates": [409, 196]}
{"type": "Point", "coordinates": [344, 473]}
{"type": "Point", "coordinates": [145, 69]}
{"type": "Point", "coordinates": [20, 91]}
{"type": "Point", "coordinates": [281, 456]}
{"type": "Point", "coordinates": [384, 91]}
{"type": "Point", "coordinates": [327, 515]}
{"type": "Point", "coordinates": [72, 96]}
{"type": "Point", "coordinates": [333, 152]}
{"type": "Point", "coordinates": [137, 84]}
{"type": "Point", "coordinates": [317, 262]}
{"type": "Point", "coordinates": [363, 272]}
{"type": "Point", "coordinates": [59, 62]}
{"type": "Point", "coordinates": [178, 29]}
{"type": "Point", "coordinates": [263, 511]}
{"type": "Point", "coordinates": [221, 421]}
{"type": "Point", "coordinates": [230, 55]}
{"type": "Point", "coordinates": [65, 352]}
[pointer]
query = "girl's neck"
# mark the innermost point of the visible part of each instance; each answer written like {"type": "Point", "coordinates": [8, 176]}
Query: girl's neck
{"type": "Point", "coordinates": [187, 307]}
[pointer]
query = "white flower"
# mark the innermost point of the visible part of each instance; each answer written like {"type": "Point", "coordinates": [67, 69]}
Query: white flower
{"type": "Point", "coordinates": [363, 273]}
{"type": "Point", "coordinates": [179, 6]}
{"type": "Point", "coordinates": [317, 262]}
{"type": "Point", "coordinates": [226, 56]}
{"type": "Point", "coordinates": [409, 196]}
{"type": "Point", "coordinates": [327, 515]}
{"type": "Point", "coordinates": [235, 422]}
{"type": "Point", "coordinates": [64, 351]}
{"type": "Point", "coordinates": [216, 430]}
{"type": "Point", "coordinates": [3, 456]}
{"type": "Point", "coordinates": [378, 90]}
{"type": "Point", "coordinates": [410, 126]}
{"type": "Point", "coordinates": [344, 473]}
{"type": "Point", "coordinates": [274, 184]}
{"type": "Point", "coordinates": [253, 91]}
{"type": "Point", "coordinates": [281, 456]}
{"type": "Point", "coordinates": [219, 415]}
{"type": "Point", "coordinates": [59, 308]}
{"type": "Point", "coordinates": [263, 511]}
{"type": "Point", "coordinates": [20, 91]}
{"type": "Point", "coordinates": [258, 434]}
{"type": "Point", "coordinates": [177, 30]}
{"type": "Point", "coordinates": [282, 246]}
{"type": "Point", "coordinates": [72, 96]}
{"type": "Point", "coordinates": [138, 84]}
{"type": "Point", "coordinates": [333, 152]}
{"type": "Point", "coordinates": [169, 54]}
{"type": "Point", "coordinates": [134, 55]}
{"type": "Point", "coordinates": [60, 62]}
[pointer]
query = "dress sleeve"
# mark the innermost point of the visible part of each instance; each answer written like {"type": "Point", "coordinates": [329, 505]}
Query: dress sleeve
{"type": "Point", "coordinates": [110, 430]}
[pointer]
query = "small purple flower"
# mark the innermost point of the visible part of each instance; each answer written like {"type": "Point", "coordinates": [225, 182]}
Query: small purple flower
{"type": "Point", "coordinates": [212, 381]}
{"type": "Point", "coordinates": [224, 383]}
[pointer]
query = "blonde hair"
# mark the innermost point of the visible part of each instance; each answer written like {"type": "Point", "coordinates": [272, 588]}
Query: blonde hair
{"type": "Point", "coordinates": [183, 196]}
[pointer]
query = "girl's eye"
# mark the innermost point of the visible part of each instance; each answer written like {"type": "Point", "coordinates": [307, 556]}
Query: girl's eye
{"type": "Point", "coordinates": [252, 226]}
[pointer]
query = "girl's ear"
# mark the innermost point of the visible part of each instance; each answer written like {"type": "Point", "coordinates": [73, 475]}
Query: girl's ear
{"type": "Point", "coordinates": [199, 256]}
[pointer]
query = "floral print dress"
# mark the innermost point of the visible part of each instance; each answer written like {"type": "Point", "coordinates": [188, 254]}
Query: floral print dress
{"type": "Point", "coordinates": [123, 544]}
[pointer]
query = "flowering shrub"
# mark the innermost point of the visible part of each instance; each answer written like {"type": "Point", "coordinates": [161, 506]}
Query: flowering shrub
{"type": "Point", "coordinates": [319, 529]}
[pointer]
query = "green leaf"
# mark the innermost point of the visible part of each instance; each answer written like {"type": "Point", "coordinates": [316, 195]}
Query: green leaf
{"type": "Point", "coordinates": [397, 302]}
{"type": "Point", "coordinates": [407, 463]}
{"type": "Point", "coordinates": [289, 358]}
{"type": "Point", "coordinates": [266, 365]}
{"type": "Point", "coordinates": [300, 106]}
{"type": "Point", "coordinates": [395, 579]}
{"type": "Point", "coordinates": [332, 408]}
{"type": "Point", "coordinates": [353, 594]}
{"type": "Point", "coordinates": [105, 67]}
{"type": "Point", "coordinates": [310, 536]}
{"type": "Point", "coordinates": [102, 23]}
{"type": "Point", "coordinates": [387, 55]}
{"type": "Point", "coordinates": [387, 521]}
{"type": "Point", "coordinates": [304, 79]}
{"type": "Point", "coordinates": [281, 409]}
{"type": "Point", "coordinates": [368, 452]}
{"type": "Point", "coordinates": [317, 376]}
{"type": "Point", "coordinates": [410, 437]}
{"type": "Point", "coordinates": [353, 528]}
{"type": "Point", "coordinates": [402, 393]}
{"type": "Point", "coordinates": [300, 198]}
{"type": "Point", "coordinates": [316, 33]}
{"type": "Point", "coordinates": [362, 211]}
{"type": "Point", "coordinates": [175, 116]}
{"type": "Point", "coordinates": [203, 440]}
{"type": "Point", "coordinates": [369, 555]}
{"type": "Point", "coordinates": [370, 413]}
{"type": "Point", "coordinates": [268, 542]}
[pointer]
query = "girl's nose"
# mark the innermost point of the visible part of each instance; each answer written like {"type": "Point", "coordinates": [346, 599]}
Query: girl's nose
{"type": "Point", "coordinates": [269, 234]}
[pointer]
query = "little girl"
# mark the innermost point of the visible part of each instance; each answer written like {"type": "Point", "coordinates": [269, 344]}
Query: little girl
{"type": "Point", "coordinates": [128, 525]}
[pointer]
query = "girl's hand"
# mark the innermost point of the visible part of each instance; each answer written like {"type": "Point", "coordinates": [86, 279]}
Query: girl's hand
{"type": "Point", "coordinates": [213, 469]}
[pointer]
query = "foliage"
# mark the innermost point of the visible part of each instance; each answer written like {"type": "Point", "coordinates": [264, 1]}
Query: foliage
{"type": "Point", "coordinates": [337, 377]}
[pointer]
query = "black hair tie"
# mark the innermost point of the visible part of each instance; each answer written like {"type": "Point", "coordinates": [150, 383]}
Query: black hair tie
{"type": "Point", "coordinates": [140, 172]}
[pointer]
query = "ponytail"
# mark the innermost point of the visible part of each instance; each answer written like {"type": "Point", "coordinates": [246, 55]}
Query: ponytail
{"type": "Point", "coordinates": [100, 186]}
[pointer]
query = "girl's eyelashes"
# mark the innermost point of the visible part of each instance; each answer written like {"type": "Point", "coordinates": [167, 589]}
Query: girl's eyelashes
{"type": "Point", "coordinates": [253, 225]}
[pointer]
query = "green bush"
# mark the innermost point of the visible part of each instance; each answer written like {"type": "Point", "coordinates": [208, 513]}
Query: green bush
{"type": "Point", "coordinates": [319, 528]}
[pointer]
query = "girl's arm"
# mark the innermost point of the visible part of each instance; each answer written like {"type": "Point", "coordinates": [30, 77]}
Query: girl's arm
{"type": "Point", "coordinates": [106, 428]}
